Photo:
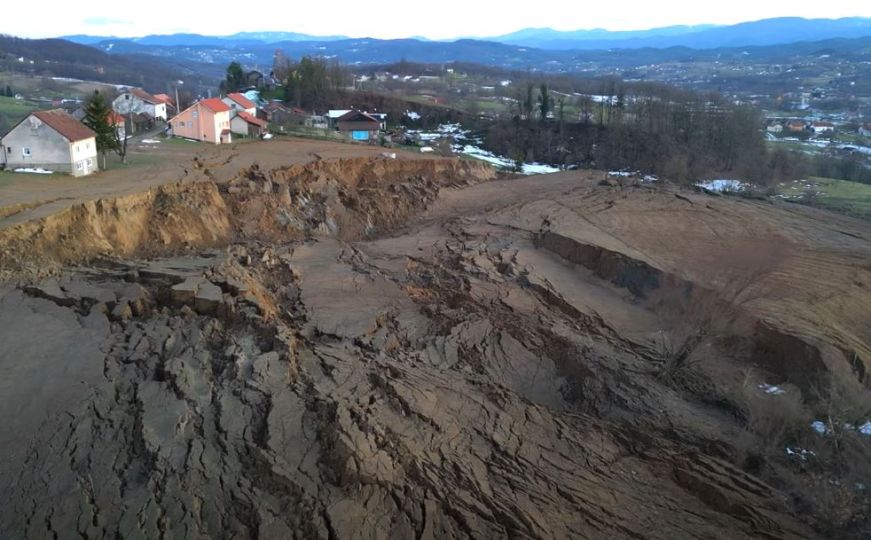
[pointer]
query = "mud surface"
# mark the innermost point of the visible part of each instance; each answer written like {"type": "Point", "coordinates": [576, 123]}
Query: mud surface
{"type": "Point", "coordinates": [374, 349]}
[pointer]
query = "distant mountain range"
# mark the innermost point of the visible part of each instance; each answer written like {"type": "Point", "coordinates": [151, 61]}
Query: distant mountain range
{"type": "Point", "coordinates": [757, 33]}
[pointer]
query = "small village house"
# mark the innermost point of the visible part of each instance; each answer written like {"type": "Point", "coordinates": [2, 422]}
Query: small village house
{"type": "Point", "coordinates": [238, 102]}
{"type": "Point", "coordinates": [52, 140]}
{"type": "Point", "coordinates": [283, 118]}
{"type": "Point", "coordinates": [359, 126]}
{"type": "Point", "coordinates": [207, 120]}
{"type": "Point", "coordinates": [333, 116]}
{"type": "Point", "coordinates": [822, 127]}
{"type": "Point", "coordinates": [171, 109]}
{"type": "Point", "coordinates": [796, 126]}
{"type": "Point", "coordinates": [248, 125]}
{"type": "Point", "coordinates": [136, 101]}
{"type": "Point", "coordinates": [119, 123]}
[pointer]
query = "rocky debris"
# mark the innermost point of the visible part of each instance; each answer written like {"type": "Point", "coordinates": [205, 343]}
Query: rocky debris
{"type": "Point", "coordinates": [208, 298]}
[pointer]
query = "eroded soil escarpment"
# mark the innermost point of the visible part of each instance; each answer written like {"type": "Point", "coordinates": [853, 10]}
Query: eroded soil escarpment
{"type": "Point", "coordinates": [372, 349]}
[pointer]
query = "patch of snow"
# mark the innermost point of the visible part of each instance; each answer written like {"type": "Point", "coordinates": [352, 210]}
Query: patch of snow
{"type": "Point", "coordinates": [267, 136]}
{"type": "Point", "coordinates": [820, 427]}
{"type": "Point", "coordinates": [800, 453]}
{"type": "Point", "coordinates": [623, 174]}
{"type": "Point", "coordinates": [538, 168]}
{"type": "Point", "coordinates": [412, 115]}
{"type": "Point", "coordinates": [427, 149]}
{"type": "Point", "coordinates": [865, 429]}
{"type": "Point", "coordinates": [33, 171]}
{"type": "Point", "coordinates": [771, 389]}
{"type": "Point", "coordinates": [150, 141]}
{"type": "Point", "coordinates": [484, 155]}
{"type": "Point", "coordinates": [856, 148]}
{"type": "Point", "coordinates": [649, 178]}
{"type": "Point", "coordinates": [722, 185]}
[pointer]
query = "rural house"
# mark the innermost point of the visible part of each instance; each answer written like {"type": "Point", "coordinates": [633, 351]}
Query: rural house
{"type": "Point", "coordinates": [238, 102]}
{"type": "Point", "coordinates": [282, 118]}
{"type": "Point", "coordinates": [137, 100]}
{"type": "Point", "coordinates": [358, 125]}
{"type": "Point", "coordinates": [333, 116]}
{"type": "Point", "coordinates": [51, 140]}
{"type": "Point", "coordinates": [169, 102]}
{"type": "Point", "coordinates": [207, 120]}
{"type": "Point", "coordinates": [248, 125]}
{"type": "Point", "coordinates": [822, 127]}
{"type": "Point", "coordinates": [796, 126]}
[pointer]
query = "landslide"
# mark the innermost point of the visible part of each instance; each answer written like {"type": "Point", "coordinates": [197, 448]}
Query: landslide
{"type": "Point", "coordinates": [388, 349]}
{"type": "Point", "coordinates": [350, 198]}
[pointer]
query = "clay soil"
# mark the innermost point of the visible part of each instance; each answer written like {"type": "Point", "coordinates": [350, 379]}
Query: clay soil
{"type": "Point", "coordinates": [310, 347]}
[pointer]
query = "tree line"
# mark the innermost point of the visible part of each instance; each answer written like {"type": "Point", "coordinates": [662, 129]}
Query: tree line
{"type": "Point", "coordinates": [656, 129]}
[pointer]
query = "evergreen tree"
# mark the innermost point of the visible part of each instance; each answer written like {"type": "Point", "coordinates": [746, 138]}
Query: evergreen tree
{"type": "Point", "coordinates": [9, 92]}
{"type": "Point", "coordinates": [235, 78]}
{"type": "Point", "coordinates": [97, 117]}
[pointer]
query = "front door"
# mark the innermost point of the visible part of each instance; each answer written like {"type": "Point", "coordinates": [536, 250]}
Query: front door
{"type": "Point", "coordinates": [85, 167]}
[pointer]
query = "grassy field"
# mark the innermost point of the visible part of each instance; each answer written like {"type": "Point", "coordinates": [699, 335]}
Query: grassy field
{"type": "Point", "coordinates": [837, 195]}
{"type": "Point", "coordinates": [13, 111]}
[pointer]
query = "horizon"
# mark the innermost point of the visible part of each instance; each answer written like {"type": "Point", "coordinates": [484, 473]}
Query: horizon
{"type": "Point", "coordinates": [478, 21]}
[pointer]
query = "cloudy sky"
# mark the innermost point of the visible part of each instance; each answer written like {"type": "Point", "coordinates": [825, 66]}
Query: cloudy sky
{"type": "Point", "coordinates": [435, 19]}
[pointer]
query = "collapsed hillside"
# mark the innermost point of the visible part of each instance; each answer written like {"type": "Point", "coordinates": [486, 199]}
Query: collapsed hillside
{"type": "Point", "coordinates": [380, 348]}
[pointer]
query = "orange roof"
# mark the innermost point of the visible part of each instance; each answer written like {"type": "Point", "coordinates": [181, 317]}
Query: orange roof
{"type": "Point", "coordinates": [243, 102]}
{"type": "Point", "coordinates": [165, 99]}
{"type": "Point", "coordinates": [114, 118]}
{"type": "Point", "coordinates": [215, 105]}
{"type": "Point", "coordinates": [251, 119]}
{"type": "Point", "coordinates": [145, 96]}
{"type": "Point", "coordinates": [65, 124]}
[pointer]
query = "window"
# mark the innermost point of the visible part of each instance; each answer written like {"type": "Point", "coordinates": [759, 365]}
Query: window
{"type": "Point", "coordinates": [126, 96]}
{"type": "Point", "coordinates": [8, 149]}
{"type": "Point", "coordinates": [196, 114]}
{"type": "Point", "coordinates": [78, 148]}
{"type": "Point", "coordinates": [26, 152]}
{"type": "Point", "coordinates": [190, 124]}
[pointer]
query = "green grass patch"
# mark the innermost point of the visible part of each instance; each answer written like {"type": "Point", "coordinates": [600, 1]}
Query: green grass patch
{"type": "Point", "coordinates": [13, 111]}
{"type": "Point", "coordinates": [840, 196]}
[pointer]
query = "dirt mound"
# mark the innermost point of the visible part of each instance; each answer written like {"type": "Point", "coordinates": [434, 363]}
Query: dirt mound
{"type": "Point", "coordinates": [403, 350]}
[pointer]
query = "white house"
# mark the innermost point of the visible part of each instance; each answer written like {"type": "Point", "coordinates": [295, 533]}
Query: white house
{"type": "Point", "coordinates": [238, 103]}
{"type": "Point", "coordinates": [248, 125]}
{"type": "Point", "coordinates": [51, 140]}
{"type": "Point", "coordinates": [137, 100]}
{"type": "Point", "coordinates": [823, 127]}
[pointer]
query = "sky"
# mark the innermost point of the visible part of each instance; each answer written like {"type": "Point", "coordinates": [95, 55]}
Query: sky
{"type": "Point", "coordinates": [434, 19]}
